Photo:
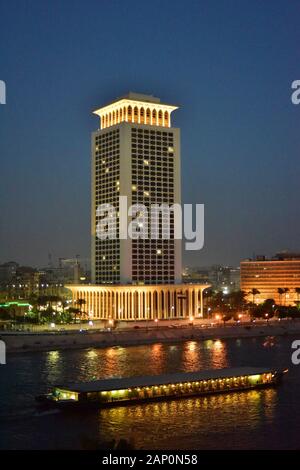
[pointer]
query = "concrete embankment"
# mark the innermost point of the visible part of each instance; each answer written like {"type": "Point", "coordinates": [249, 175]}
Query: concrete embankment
{"type": "Point", "coordinates": [22, 342]}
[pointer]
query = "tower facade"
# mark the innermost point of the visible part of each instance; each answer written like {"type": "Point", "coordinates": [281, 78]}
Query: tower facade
{"type": "Point", "coordinates": [136, 153]}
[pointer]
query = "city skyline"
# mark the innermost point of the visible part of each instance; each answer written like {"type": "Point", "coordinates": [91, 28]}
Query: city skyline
{"type": "Point", "coordinates": [239, 158]}
{"type": "Point", "coordinates": [149, 238]}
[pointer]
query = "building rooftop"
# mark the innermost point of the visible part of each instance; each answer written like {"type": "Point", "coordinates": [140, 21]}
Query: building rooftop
{"type": "Point", "coordinates": [165, 379]}
{"type": "Point", "coordinates": [136, 108]}
{"type": "Point", "coordinates": [138, 97]}
{"type": "Point", "coordinates": [283, 256]}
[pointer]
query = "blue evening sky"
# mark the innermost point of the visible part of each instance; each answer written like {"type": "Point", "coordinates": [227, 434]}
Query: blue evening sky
{"type": "Point", "coordinates": [229, 64]}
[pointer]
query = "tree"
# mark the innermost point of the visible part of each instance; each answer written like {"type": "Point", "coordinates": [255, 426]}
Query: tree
{"type": "Point", "coordinates": [80, 303]}
{"type": "Point", "coordinates": [280, 291]}
{"type": "Point", "coordinates": [286, 290]}
{"type": "Point", "coordinates": [5, 313]}
{"type": "Point", "coordinates": [74, 312]}
{"type": "Point", "coordinates": [254, 292]}
{"type": "Point", "coordinates": [236, 300]}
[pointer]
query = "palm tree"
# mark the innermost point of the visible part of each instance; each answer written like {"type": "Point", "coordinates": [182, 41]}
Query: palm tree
{"type": "Point", "coordinates": [286, 290]}
{"type": "Point", "coordinates": [80, 303]}
{"type": "Point", "coordinates": [280, 291]}
{"type": "Point", "coordinates": [297, 290]}
{"type": "Point", "coordinates": [75, 311]}
{"type": "Point", "coordinates": [237, 300]}
{"type": "Point", "coordinates": [254, 292]}
{"type": "Point", "coordinates": [41, 301]}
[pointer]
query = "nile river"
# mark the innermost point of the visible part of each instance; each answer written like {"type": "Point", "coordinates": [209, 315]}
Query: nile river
{"type": "Point", "coordinates": [267, 418]}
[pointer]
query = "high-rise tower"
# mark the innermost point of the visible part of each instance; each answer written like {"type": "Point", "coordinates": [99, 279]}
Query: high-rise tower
{"type": "Point", "coordinates": [136, 153]}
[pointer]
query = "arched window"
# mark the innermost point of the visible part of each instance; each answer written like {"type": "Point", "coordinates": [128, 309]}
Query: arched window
{"type": "Point", "coordinates": [162, 303]}
{"type": "Point", "coordinates": [114, 118]}
{"type": "Point", "coordinates": [110, 123]}
{"type": "Point", "coordinates": [106, 120]}
{"type": "Point", "coordinates": [148, 116]}
{"type": "Point", "coordinates": [166, 119]}
{"type": "Point", "coordinates": [117, 116]}
{"type": "Point", "coordinates": [142, 116]}
{"type": "Point", "coordinates": [136, 114]}
{"type": "Point", "coordinates": [154, 117]}
{"type": "Point", "coordinates": [154, 307]}
{"type": "Point", "coordinates": [124, 113]}
{"type": "Point", "coordinates": [129, 113]}
{"type": "Point", "coordinates": [121, 115]}
{"type": "Point", "coordinates": [160, 120]}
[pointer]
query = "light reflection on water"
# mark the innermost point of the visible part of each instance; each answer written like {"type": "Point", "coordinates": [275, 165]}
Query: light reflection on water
{"type": "Point", "coordinates": [236, 420]}
{"type": "Point", "coordinates": [226, 412]}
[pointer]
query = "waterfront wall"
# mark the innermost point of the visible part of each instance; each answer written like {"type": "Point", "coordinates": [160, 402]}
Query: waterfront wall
{"type": "Point", "coordinates": [22, 342]}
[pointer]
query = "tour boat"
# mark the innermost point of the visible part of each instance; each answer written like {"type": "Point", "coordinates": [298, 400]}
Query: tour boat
{"type": "Point", "coordinates": [119, 391]}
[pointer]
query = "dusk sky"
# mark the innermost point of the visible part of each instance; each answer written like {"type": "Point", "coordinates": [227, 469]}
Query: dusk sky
{"type": "Point", "coordinates": [228, 64]}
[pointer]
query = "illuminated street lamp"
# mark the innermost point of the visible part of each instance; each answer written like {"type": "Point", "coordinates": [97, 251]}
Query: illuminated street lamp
{"type": "Point", "coordinates": [267, 317]}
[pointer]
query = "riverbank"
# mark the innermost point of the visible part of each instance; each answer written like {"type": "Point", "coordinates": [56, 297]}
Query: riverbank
{"type": "Point", "coordinates": [22, 342]}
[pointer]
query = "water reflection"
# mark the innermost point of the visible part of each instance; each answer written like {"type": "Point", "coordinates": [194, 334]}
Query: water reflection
{"type": "Point", "coordinates": [219, 354]}
{"type": "Point", "coordinates": [52, 357]}
{"type": "Point", "coordinates": [53, 366]}
{"type": "Point", "coordinates": [181, 423]}
{"type": "Point", "coordinates": [191, 355]}
{"type": "Point", "coordinates": [237, 420]}
{"type": "Point", "coordinates": [157, 358]}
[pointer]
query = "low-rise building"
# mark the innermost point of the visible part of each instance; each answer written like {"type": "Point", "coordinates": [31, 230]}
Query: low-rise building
{"type": "Point", "coordinates": [277, 278]}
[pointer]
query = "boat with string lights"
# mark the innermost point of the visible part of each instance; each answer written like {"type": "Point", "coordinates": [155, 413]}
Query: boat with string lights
{"type": "Point", "coordinates": [121, 391]}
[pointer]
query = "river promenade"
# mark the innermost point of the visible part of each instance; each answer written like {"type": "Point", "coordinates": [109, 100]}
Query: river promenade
{"type": "Point", "coordinates": [22, 341]}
